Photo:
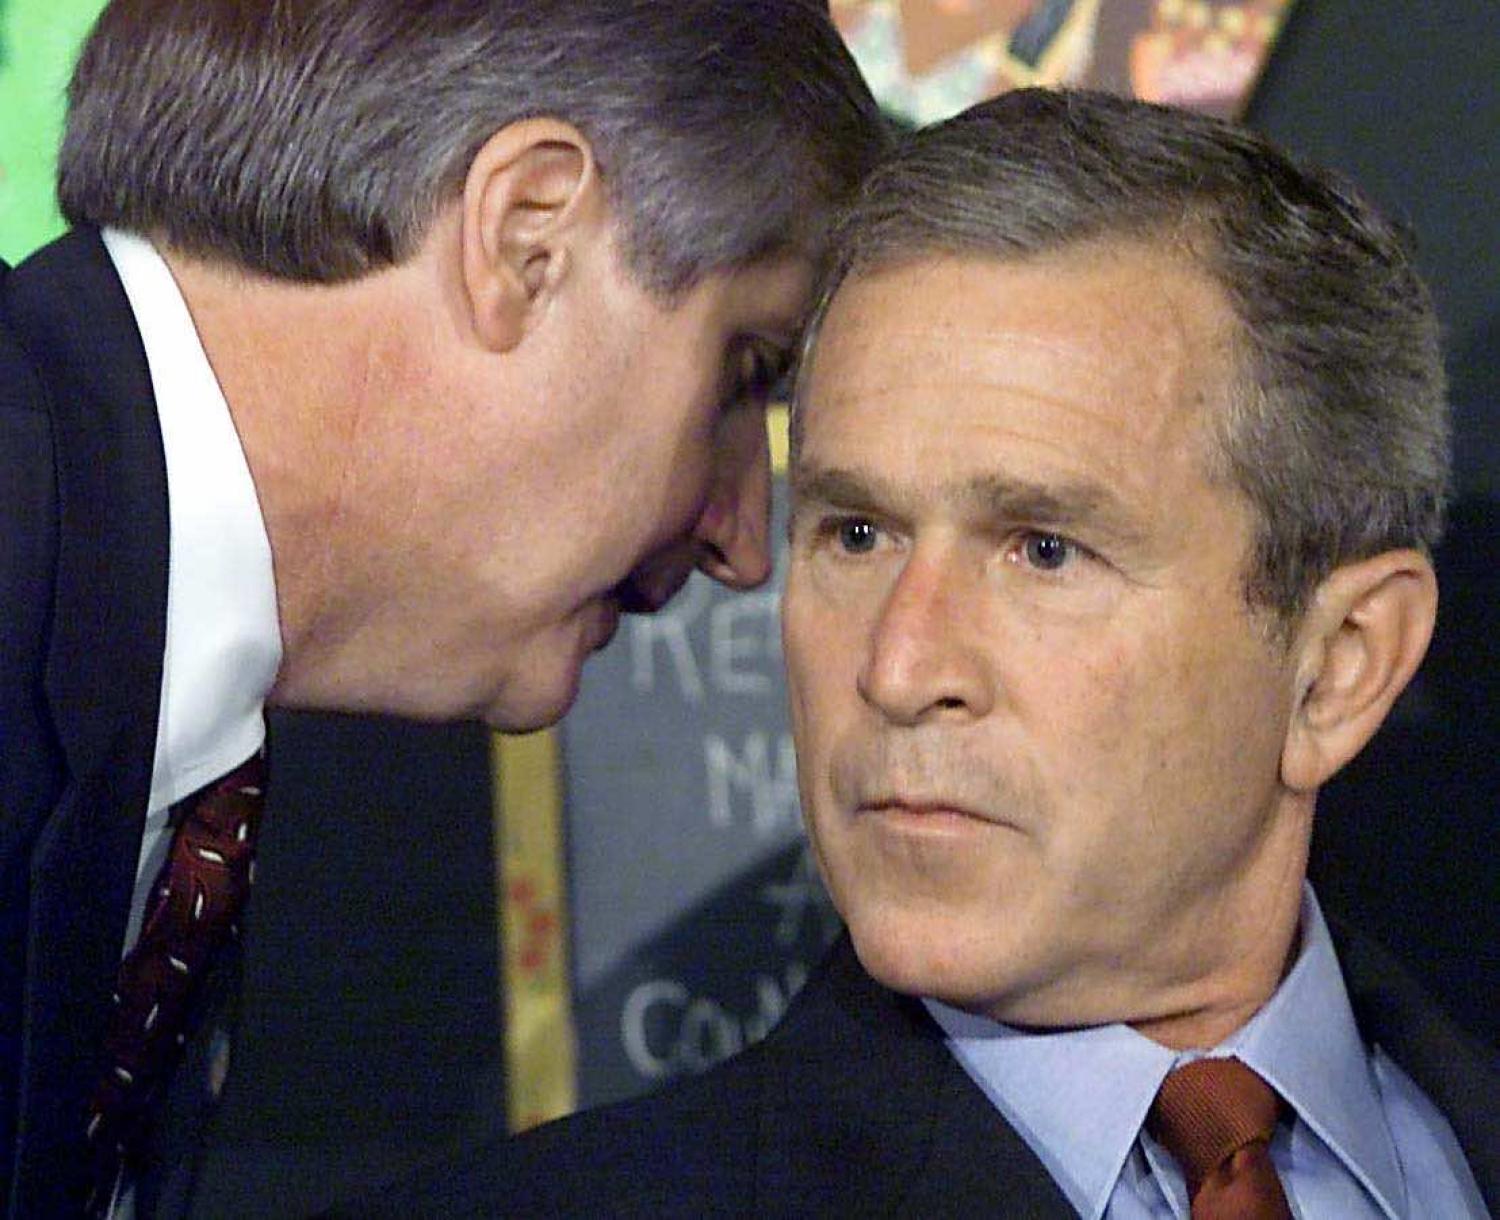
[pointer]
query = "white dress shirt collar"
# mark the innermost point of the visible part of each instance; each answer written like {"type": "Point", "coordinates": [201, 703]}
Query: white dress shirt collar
{"type": "Point", "coordinates": [1077, 1097]}
{"type": "Point", "coordinates": [223, 635]}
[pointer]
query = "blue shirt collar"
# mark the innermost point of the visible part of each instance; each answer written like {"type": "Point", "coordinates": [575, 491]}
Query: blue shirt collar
{"type": "Point", "coordinates": [1306, 1044]}
{"type": "Point", "coordinates": [1079, 1097]}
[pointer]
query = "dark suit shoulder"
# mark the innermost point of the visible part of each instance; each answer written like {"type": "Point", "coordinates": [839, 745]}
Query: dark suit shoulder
{"type": "Point", "coordinates": [852, 1106]}
{"type": "Point", "coordinates": [28, 551]}
{"type": "Point", "coordinates": [1458, 1071]}
{"type": "Point", "coordinates": [664, 1154]}
{"type": "Point", "coordinates": [21, 391]}
{"type": "Point", "coordinates": [31, 770]}
{"type": "Point", "coordinates": [83, 565]}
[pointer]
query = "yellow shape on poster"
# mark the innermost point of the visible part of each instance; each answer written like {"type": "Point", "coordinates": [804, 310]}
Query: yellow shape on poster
{"type": "Point", "coordinates": [531, 881]}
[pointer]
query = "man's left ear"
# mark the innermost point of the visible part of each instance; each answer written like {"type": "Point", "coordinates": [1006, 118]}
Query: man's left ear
{"type": "Point", "coordinates": [1360, 642]}
{"type": "Point", "coordinates": [531, 194]}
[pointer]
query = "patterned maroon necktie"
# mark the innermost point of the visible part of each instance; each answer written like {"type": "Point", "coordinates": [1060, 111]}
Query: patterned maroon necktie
{"type": "Point", "coordinates": [193, 907]}
{"type": "Point", "coordinates": [1216, 1118]}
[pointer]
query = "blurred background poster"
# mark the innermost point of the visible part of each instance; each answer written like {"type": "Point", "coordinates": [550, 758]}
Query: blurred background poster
{"type": "Point", "coordinates": [929, 59]}
{"type": "Point", "coordinates": [38, 41]}
{"type": "Point", "coordinates": [694, 907]}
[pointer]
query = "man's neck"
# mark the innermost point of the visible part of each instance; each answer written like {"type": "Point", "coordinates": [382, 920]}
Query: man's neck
{"type": "Point", "coordinates": [1266, 943]}
{"type": "Point", "coordinates": [308, 372]}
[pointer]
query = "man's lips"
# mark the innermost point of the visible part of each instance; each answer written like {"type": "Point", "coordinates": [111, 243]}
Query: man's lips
{"type": "Point", "coordinates": [927, 808]}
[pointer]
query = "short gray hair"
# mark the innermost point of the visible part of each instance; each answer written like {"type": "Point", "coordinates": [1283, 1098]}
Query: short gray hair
{"type": "Point", "coordinates": [1338, 429]}
{"type": "Point", "coordinates": [315, 140]}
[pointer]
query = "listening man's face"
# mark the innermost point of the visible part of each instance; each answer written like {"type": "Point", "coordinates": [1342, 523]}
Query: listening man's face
{"type": "Point", "coordinates": [1038, 729]}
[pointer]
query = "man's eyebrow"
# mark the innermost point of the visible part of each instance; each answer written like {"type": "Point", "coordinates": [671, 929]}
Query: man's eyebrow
{"type": "Point", "coordinates": [838, 488]}
{"type": "Point", "coordinates": [1066, 504]}
{"type": "Point", "coordinates": [1087, 507]}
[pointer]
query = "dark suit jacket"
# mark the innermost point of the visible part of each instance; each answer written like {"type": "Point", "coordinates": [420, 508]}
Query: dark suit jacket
{"type": "Point", "coordinates": [853, 1106]}
{"type": "Point", "coordinates": [83, 590]}
{"type": "Point", "coordinates": [83, 587]}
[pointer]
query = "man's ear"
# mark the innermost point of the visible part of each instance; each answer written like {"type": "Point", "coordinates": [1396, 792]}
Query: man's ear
{"type": "Point", "coordinates": [1360, 642]}
{"type": "Point", "coordinates": [530, 190]}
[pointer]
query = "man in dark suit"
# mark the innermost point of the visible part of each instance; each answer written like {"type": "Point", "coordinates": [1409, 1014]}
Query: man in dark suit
{"type": "Point", "coordinates": [1117, 458]}
{"type": "Point", "coordinates": [397, 350]}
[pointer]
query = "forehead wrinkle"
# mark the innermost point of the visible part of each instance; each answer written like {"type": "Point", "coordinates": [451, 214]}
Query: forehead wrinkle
{"type": "Point", "coordinates": [1063, 498]}
{"type": "Point", "coordinates": [1119, 400]}
{"type": "Point", "coordinates": [984, 344]}
{"type": "Point", "coordinates": [1095, 383]}
{"type": "Point", "coordinates": [1025, 353]}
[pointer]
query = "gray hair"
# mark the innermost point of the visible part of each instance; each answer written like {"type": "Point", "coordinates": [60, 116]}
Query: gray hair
{"type": "Point", "coordinates": [315, 140]}
{"type": "Point", "coordinates": [1337, 432]}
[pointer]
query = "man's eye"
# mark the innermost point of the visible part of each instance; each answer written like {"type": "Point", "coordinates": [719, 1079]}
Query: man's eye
{"type": "Point", "coordinates": [1048, 552]}
{"type": "Point", "coordinates": [857, 537]}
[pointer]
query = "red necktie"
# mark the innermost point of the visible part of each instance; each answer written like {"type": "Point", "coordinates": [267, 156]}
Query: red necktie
{"type": "Point", "coordinates": [193, 907]}
{"type": "Point", "coordinates": [1216, 1118]}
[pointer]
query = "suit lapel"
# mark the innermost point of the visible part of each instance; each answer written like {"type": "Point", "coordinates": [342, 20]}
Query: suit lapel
{"type": "Point", "coordinates": [1459, 1074]}
{"type": "Point", "coordinates": [977, 1163]}
{"type": "Point", "coordinates": [898, 1128]}
{"type": "Point", "coordinates": [103, 680]}
{"type": "Point", "coordinates": [72, 314]}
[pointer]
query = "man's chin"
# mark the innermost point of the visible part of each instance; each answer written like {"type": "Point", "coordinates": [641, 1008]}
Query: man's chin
{"type": "Point", "coordinates": [533, 704]}
{"type": "Point", "coordinates": [917, 956]}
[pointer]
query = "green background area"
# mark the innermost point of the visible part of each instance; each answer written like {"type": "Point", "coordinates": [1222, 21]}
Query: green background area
{"type": "Point", "coordinates": [38, 41]}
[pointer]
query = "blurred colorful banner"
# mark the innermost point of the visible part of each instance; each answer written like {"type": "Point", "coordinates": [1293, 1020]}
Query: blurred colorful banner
{"type": "Point", "coordinates": [38, 42]}
{"type": "Point", "coordinates": [929, 59]}
{"type": "Point", "coordinates": [925, 59]}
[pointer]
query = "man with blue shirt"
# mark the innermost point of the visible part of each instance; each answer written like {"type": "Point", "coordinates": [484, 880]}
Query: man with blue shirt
{"type": "Point", "coordinates": [1118, 454]}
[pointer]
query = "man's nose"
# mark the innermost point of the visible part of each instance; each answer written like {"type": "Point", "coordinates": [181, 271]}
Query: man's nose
{"type": "Point", "coordinates": [925, 653]}
{"type": "Point", "coordinates": [730, 539]}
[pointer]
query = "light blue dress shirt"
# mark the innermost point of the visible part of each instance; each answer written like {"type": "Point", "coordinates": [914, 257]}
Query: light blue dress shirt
{"type": "Point", "coordinates": [1365, 1142]}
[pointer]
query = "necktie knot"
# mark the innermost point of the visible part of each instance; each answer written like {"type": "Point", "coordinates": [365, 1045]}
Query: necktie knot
{"type": "Point", "coordinates": [1216, 1117]}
